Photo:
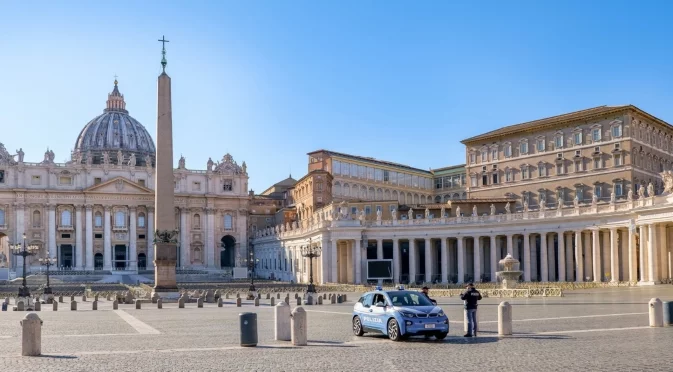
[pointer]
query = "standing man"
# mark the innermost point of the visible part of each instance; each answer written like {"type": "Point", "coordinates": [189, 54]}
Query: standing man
{"type": "Point", "coordinates": [425, 290]}
{"type": "Point", "coordinates": [471, 296]}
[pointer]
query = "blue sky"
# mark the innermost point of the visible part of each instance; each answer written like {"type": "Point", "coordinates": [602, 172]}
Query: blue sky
{"type": "Point", "coordinates": [269, 81]}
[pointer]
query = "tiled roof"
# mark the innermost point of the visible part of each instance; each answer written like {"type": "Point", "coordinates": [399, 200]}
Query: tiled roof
{"type": "Point", "coordinates": [587, 114]}
{"type": "Point", "coordinates": [371, 160]}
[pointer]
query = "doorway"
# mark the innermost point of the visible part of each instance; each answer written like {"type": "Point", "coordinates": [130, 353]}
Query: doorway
{"type": "Point", "coordinates": [120, 257]}
{"type": "Point", "coordinates": [228, 251]}
{"type": "Point", "coordinates": [98, 261]}
{"type": "Point", "coordinates": [142, 261]}
{"type": "Point", "coordinates": [66, 259]}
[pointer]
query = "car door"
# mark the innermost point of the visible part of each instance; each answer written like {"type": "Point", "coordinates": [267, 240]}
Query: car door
{"type": "Point", "coordinates": [366, 311]}
{"type": "Point", "coordinates": [379, 313]}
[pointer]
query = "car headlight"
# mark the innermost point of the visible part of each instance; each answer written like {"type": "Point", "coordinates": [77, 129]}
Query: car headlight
{"type": "Point", "coordinates": [441, 313]}
{"type": "Point", "coordinates": [407, 314]}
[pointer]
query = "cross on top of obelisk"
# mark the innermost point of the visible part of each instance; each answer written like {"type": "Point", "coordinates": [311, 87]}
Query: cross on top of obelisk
{"type": "Point", "coordinates": [163, 52]}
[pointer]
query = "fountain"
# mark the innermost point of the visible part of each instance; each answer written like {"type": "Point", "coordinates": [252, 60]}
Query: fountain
{"type": "Point", "coordinates": [509, 272]}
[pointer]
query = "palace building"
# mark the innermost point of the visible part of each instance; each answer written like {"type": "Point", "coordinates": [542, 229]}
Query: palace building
{"type": "Point", "coordinates": [96, 212]}
{"type": "Point", "coordinates": [584, 196]}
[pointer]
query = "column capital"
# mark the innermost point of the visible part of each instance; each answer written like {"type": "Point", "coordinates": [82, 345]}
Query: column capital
{"type": "Point", "coordinates": [51, 206]}
{"type": "Point", "coordinates": [88, 207]}
{"type": "Point", "coordinates": [132, 208]}
{"type": "Point", "coordinates": [613, 228]}
{"type": "Point", "coordinates": [19, 205]}
{"type": "Point", "coordinates": [78, 206]}
{"type": "Point", "coordinates": [107, 208]}
{"type": "Point", "coordinates": [150, 209]}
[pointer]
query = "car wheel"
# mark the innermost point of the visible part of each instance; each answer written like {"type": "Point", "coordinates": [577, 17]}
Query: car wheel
{"type": "Point", "coordinates": [441, 335]}
{"type": "Point", "coordinates": [394, 330]}
{"type": "Point", "coordinates": [357, 326]}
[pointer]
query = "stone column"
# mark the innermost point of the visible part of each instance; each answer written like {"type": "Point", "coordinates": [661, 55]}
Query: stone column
{"type": "Point", "coordinates": [107, 235]}
{"type": "Point", "coordinates": [89, 236]}
{"type": "Point", "coordinates": [588, 268]}
{"type": "Point", "coordinates": [544, 262]}
{"type": "Point", "coordinates": [150, 238]}
{"type": "Point", "coordinates": [396, 260]}
{"type": "Point", "coordinates": [526, 257]}
{"type": "Point", "coordinates": [561, 256]}
{"type": "Point", "coordinates": [428, 260]}
{"type": "Point", "coordinates": [569, 257]}
{"type": "Point", "coordinates": [184, 239]}
{"type": "Point", "coordinates": [412, 261]}
{"type": "Point", "coordinates": [596, 255]}
{"type": "Point", "coordinates": [334, 262]}
{"type": "Point", "coordinates": [633, 260]}
{"type": "Point", "coordinates": [494, 257]}
{"type": "Point", "coordinates": [461, 259]}
{"type": "Point", "coordinates": [510, 249]}
{"type": "Point", "coordinates": [477, 258]}
{"type": "Point", "coordinates": [643, 252]}
{"type": "Point", "coordinates": [579, 262]}
{"type": "Point", "coordinates": [551, 258]}
{"type": "Point", "coordinates": [605, 264]}
{"type": "Point", "coordinates": [379, 249]}
{"type": "Point", "coordinates": [614, 258]}
{"type": "Point", "coordinates": [133, 236]}
{"type": "Point", "coordinates": [52, 229]}
{"type": "Point", "coordinates": [662, 252]}
{"type": "Point", "coordinates": [357, 257]}
{"type": "Point", "coordinates": [78, 236]}
{"type": "Point", "coordinates": [651, 253]}
{"type": "Point", "coordinates": [20, 229]}
{"type": "Point", "coordinates": [445, 261]}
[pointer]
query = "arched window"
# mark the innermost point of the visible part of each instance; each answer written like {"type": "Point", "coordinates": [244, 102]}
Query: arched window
{"type": "Point", "coordinates": [196, 223]}
{"type": "Point", "coordinates": [37, 219]}
{"type": "Point", "coordinates": [228, 222]}
{"type": "Point", "coordinates": [141, 220]}
{"type": "Point", "coordinates": [98, 220]}
{"type": "Point", "coordinates": [120, 219]}
{"type": "Point", "coordinates": [2, 217]}
{"type": "Point", "coordinates": [66, 219]}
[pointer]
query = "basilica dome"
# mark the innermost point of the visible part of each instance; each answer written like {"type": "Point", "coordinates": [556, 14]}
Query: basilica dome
{"type": "Point", "coordinates": [115, 137]}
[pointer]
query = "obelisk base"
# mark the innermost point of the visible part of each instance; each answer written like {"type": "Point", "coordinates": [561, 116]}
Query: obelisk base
{"type": "Point", "coordinates": [165, 284]}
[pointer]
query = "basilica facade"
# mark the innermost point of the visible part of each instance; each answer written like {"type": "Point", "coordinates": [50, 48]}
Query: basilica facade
{"type": "Point", "coordinates": [96, 211]}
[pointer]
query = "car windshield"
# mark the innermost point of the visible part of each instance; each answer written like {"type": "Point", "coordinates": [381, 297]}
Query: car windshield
{"type": "Point", "coordinates": [408, 298]}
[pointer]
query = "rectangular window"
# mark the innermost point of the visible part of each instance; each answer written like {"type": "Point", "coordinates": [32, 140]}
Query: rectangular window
{"type": "Point", "coordinates": [2, 176]}
{"type": "Point", "coordinates": [227, 185]}
{"type": "Point", "coordinates": [368, 210]}
{"type": "Point", "coordinates": [473, 181]}
{"type": "Point", "coordinates": [97, 180]}
{"type": "Point", "coordinates": [473, 158]}
{"type": "Point", "coordinates": [495, 178]}
{"type": "Point", "coordinates": [541, 170]}
{"type": "Point", "coordinates": [558, 142]}
{"type": "Point", "coordinates": [35, 180]}
{"type": "Point", "coordinates": [228, 222]}
{"type": "Point", "coordinates": [507, 151]}
{"type": "Point", "coordinates": [438, 183]}
{"type": "Point", "coordinates": [579, 192]}
{"type": "Point", "coordinates": [98, 220]}
{"type": "Point", "coordinates": [523, 148]}
{"type": "Point", "coordinates": [64, 180]}
{"type": "Point", "coordinates": [345, 169]}
{"type": "Point", "coordinates": [391, 207]}
{"type": "Point", "coordinates": [540, 145]}
{"type": "Point", "coordinates": [354, 210]}
{"type": "Point", "coordinates": [370, 173]}
{"type": "Point", "coordinates": [336, 167]}
{"type": "Point", "coordinates": [141, 236]}
{"type": "Point", "coordinates": [577, 138]}
{"type": "Point", "coordinates": [414, 181]}
{"type": "Point", "coordinates": [407, 180]}
{"type": "Point", "coordinates": [141, 182]}
{"type": "Point", "coordinates": [98, 236]}
{"type": "Point", "coordinates": [508, 176]}
{"type": "Point", "coordinates": [379, 174]}
{"type": "Point", "coordinates": [596, 134]}
{"type": "Point", "coordinates": [618, 160]}
{"type": "Point", "coordinates": [598, 163]}
{"type": "Point", "coordinates": [318, 186]}
{"type": "Point", "coordinates": [618, 189]}
{"type": "Point", "coordinates": [578, 166]}
{"type": "Point", "coordinates": [484, 180]}
{"type": "Point", "coordinates": [361, 171]}
{"type": "Point", "coordinates": [386, 176]}
{"type": "Point", "coordinates": [597, 191]}
{"type": "Point", "coordinates": [494, 154]}
{"type": "Point", "coordinates": [141, 221]}
{"type": "Point", "coordinates": [484, 156]}
{"type": "Point", "coordinates": [616, 131]}
{"type": "Point", "coordinates": [524, 173]}
{"type": "Point", "coordinates": [196, 186]}
{"type": "Point", "coordinates": [379, 209]}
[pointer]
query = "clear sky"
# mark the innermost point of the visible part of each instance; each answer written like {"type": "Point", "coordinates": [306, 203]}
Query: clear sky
{"type": "Point", "coordinates": [269, 81]}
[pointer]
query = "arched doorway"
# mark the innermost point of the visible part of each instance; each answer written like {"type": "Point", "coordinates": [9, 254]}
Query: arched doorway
{"type": "Point", "coordinates": [98, 261]}
{"type": "Point", "coordinates": [142, 261]}
{"type": "Point", "coordinates": [228, 251]}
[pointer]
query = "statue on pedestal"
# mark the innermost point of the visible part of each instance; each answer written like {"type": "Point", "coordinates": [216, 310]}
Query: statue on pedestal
{"type": "Point", "coordinates": [132, 160]}
{"type": "Point", "coordinates": [474, 211]}
{"type": "Point", "coordinates": [244, 168]}
{"type": "Point", "coordinates": [458, 211]}
{"type": "Point", "coordinates": [594, 199]}
{"type": "Point", "coordinates": [378, 215]}
{"type": "Point", "coordinates": [507, 208]}
{"type": "Point", "coordinates": [20, 154]}
{"type": "Point", "coordinates": [120, 157]}
{"type": "Point", "coordinates": [427, 213]}
{"type": "Point", "coordinates": [181, 162]}
{"type": "Point", "coordinates": [613, 197]}
{"type": "Point", "coordinates": [492, 209]}
{"type": "Point", "coordinates": [442, 212]}
{"type": "Point", "coordinates": [629, 195]}
{"type": "Point", "coordinates": [576, 201]}
{"type": "Point", "coordinates": [525, 205]}
{"type": "Point", "coordinates": [106, 158]}
{"type": "Point", "coordinates": [650, 190]}
{"type": "Point", "coordinates": [410, 214]}
{"type": "Point", "coordinates": [209, 165]}
{"type": "Point", "coordinates": [641, 192]}
{"type": "Point", "coordinates": [394, 214]}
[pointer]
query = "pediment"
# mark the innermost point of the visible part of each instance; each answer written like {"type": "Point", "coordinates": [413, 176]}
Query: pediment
{"type": "Point", "coordinates": [119, 185]}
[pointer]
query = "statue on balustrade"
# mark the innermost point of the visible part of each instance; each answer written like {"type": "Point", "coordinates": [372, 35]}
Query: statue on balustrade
{"type": "Point", "coordinates": [613, 197]}
{"type": "Point", "coordinates": [576, 201]}
{"type": "Point", "coordinates": [20, 154]}
{"type": "Point", "coordinates": [641, 192]}
{"type": "Point", "coordinates": [132, 160]}
{"type": "Point", "coordinates": [209, 165]}
{"type": "Point", "coordinates": [89, 158]}
{"type": "Point", "coordinates": [650, 190]}
{"type": "Point", "coordinates": [378, 215]}
{"type": "Point", "coordinates": [120, 157]}
{"type": "Point", "coordinates": [492, 209]}
{"type": "Point", "coordinates": [410, 214]}
{"type": "Point", "coordinates": [474, 211]}
{"type": "Point", "coordinates": [442, 213]}
{"type": "Point", "coordinates": [427, 213]}
{"type": "Point", "coordinates": [508, 208]}
{"type": "Point", "coordinates": [458, 211]}
{"type": "Point", "coordinates": [525, 205]}
{"type": "Point", "coordinates": [667, 177]}
{"type": "Point", "coordinates": [106, 158]}
{"type": "Point", "coordinates": [394, 214]}
{"type": "Point", "coordinates": [362, 214]}
{"type": "Point", "coordinates": [629, 195]}
{"type": "Point", "coordinates": [181, 162]}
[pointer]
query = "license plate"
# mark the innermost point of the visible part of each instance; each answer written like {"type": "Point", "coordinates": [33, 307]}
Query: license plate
{"type": "Point", "coordinates": [429, 326]}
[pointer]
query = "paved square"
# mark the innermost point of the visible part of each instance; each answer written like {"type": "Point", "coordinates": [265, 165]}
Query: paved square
{"type": "Point", "coordinates": [585, 330]}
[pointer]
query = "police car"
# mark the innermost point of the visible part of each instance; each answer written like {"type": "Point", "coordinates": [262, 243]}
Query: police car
{"type": "Point", "coordinates": [399, 314]}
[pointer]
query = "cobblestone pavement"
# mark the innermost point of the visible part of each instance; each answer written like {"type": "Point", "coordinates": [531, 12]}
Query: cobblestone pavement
{"type": "Point", "coordinates": [597, 330]}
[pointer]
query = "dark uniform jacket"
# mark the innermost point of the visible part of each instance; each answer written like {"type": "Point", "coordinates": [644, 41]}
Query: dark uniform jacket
{"type": "Point", "coordinates": [471, 296]}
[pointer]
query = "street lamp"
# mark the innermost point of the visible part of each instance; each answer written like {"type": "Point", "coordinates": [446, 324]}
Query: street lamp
{"type": "Point", "coordinates": [20, 249]}
{"type": "Point", "coordinates": [47, 262]}
{"type": "Point", "coordinates": [311, 251]}
{"type": "Point", "coordinates": [251, 261]}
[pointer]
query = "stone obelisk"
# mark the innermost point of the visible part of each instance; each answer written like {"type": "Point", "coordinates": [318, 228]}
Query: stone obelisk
{"type": "Point", "coordinates": [165, 244]}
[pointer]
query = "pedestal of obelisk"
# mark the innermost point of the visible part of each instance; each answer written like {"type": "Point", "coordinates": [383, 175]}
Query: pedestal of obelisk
{"type": "Point", "coordinates": [165, 246]}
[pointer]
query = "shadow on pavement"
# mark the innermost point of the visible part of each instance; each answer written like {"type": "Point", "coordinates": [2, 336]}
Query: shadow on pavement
{"type": "Point", "coordinates": [57, 356]}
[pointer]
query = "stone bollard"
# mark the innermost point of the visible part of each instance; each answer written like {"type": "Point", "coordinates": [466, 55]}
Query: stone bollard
{"type": "Point", "coordinates": [656, 313]}
{"type": "Point", "coordinates": [282, 322]}
{"type": "Point", "coordinates": [309, 300]}
{"type": "Point", "coordinates": [20, 306]}
{"type": "Point", "coordinates": [138, 304]}
{"type": "Point", "coordinates": [60, 299]}
{"type": "Point", "coordinates": [238, 295]}
{"type": "Point", "coordinates": [95, 298]}
{"type": "Point", "coordinates": [38, 306]}
{"type": "Point", "coordinates": [319, 300]}
{"type": "Point", "coordinates": [332, 299]}
{"type": "Point", "coordinates": [504, 319]}
{"type": "Point", "coordinates": [199, 302]}
{"type": "Point", "coordinates": [345, 298]}
{"type": "Point", "coordinates": [272, 301]}
{"type": "Point", "coordinates": [226, 296]}
{"type": "Point", "coordinates": [109, 297]}
{"type": "Point", "coordinates": [84, 298]}
{"type": "Point", "coordinates": [298, 301]}
{"type": "Point", "coordinates": [339, 299]}
{"type": "Point", "coordinates": [278, 296]}
{"type": "Point", "coordinates": [296, 295]}
{"type": "Point", "coordinates": [94, 305]}
{"type": "Point", "coordinates": [248, 326]}
{"type": "Point", "coordinates": [238, 302]}
{"type": "Point", "coordinates": [155, 298]}
{"type": "Point", "coordinates": [115, 305]}
{"type": "Point", "coordinates": [257, 301]}
{"type": "Point", "coordinates": [667, 307]}
{"type": "Point", "coordinates": [298, 325]}
{"type": "Point", "coordinates": [181, 302]}
{"type": "Point", "coordinates": [31, 335]}
{"type": "Point", "coordinates": [73, 305]}
{"type": "Point", "coordinates": [54, 306]}
{"type": "Point", "coordinates": [160, 303]}
{"type": "Point", "coordinates": [219, 302]}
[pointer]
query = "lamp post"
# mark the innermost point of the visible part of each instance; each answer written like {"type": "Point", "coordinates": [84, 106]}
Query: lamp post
{"type": "Point", "coordinates": [251, 261]}
{"type": "Point", "coordinates": [47, 262]}
{"type": "Point", "coordinates": [311, 251]}
{"type": "Point", "coordinates": [20, 249]}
